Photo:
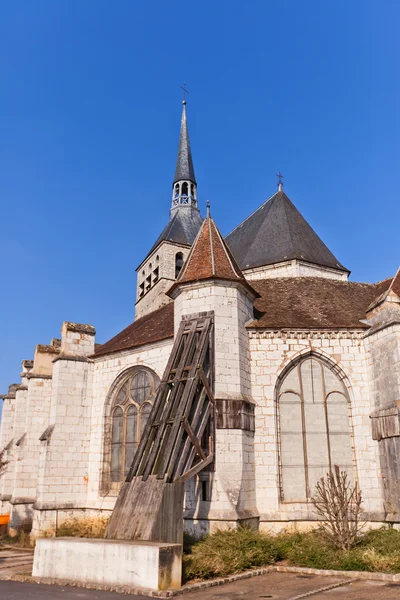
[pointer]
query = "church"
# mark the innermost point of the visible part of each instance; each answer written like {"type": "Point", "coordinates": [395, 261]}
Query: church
{"type": "Point", "coordinates": [305, 375]}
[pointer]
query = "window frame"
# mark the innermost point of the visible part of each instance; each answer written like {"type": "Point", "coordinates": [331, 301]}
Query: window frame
{"type": "Point", "coordinates": [296, 364]}
{"type": "Point", "coordinates": [113, 402]}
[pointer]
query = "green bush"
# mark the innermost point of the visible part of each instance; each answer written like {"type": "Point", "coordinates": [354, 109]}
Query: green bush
{"type": "Point", "coordinates": [229, 551]}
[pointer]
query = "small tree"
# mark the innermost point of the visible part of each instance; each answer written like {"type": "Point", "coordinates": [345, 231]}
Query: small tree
{"type": "Point", "coordinates": [339, 505]}
{"type": "Point", "coordinates": [3, 462]}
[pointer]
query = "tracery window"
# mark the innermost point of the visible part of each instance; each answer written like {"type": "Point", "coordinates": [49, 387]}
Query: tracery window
{"type": "Point", "coordinates": [130, 409]}
{"type": "Point", "coordinates": [314, 429]}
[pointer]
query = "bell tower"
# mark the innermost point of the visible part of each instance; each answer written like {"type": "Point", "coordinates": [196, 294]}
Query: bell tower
{"type": "Point", "coordinates": [184, 187]}
{"type": "Point", "coordinates": [163, 263]}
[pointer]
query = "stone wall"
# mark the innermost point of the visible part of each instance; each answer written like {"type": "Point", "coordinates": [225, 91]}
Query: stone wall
{"type": "Point", "coordinates": [383, 347]}
{"type": "Point", "coordinates": [294, 268]}
{"type": "Point", "coordinates": [271, 353]}
{"type": "Point", "coordinates": [162, 258]}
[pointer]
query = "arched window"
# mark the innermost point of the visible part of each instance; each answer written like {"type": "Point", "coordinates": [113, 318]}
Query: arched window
{"type": "Point", "coordinates": [130, 407]}
{"type": "Point", "coordinates": [177, 190]}
{"type": "Point", "coordinates": [178, 263]}
{"type": "Point", "coordinates": [313, 428]}
{"type": "Point", "coordinates": [184, 189]}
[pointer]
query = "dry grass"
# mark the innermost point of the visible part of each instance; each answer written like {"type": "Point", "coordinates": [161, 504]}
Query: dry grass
{"type": "Point", "coordinates": [91, 527]}
{"type": "Point", "coordinates": [21, 540]}
{"type": "Point", "coordinates": [228, 552]}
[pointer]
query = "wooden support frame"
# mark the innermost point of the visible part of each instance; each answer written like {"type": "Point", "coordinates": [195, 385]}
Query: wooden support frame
{"type": "Point", "coordinates": [178, 440]}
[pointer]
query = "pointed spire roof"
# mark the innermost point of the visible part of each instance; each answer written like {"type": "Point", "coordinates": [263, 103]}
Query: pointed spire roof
{"type": "Point", "coordinates": [277, 232]}
{"type": "Point", "coordinates": [210, 258]}
{"type": "Point", "coordinates": [184, 163]}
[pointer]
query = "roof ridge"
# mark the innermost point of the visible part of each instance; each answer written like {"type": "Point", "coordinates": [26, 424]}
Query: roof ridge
{"type": "Point", "coordinates": [235, 267]}
{"type": "Point", "coordinates": [211, 245]}
{"type": "Point", "coordinates": [253, 213]}
{"type": "Point", "coordinates": [288, 222]}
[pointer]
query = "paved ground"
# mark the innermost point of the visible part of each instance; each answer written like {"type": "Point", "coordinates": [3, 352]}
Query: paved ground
{"type": "Point", "coordinates": [11, 590]}
{"type": "Point", "coordinates": [275, 586]}
{"type": "Point", "coordinates": [288, 586]}
{"type": "Point", "coordinates": [15, 561]}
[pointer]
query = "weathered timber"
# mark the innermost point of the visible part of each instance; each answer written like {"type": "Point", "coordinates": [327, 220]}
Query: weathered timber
{"type": "Point", "coordinates": [177, 443]}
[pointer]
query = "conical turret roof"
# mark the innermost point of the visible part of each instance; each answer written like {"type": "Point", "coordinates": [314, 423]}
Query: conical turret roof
{"type": "Point", "coordinates": [184, 163]}
{"type": "Point", "coordinates": [210, 258]}
{"type": "Point", "coordinates": [277, 232]}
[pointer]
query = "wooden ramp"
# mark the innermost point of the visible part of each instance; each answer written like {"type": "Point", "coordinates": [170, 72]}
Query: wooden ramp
{"type": "Point", "coordinates": [177, 443]}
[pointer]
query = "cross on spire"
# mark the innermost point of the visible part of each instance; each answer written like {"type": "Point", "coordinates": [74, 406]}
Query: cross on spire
{"type": "Point", "coordinates": [185, 91]}
{"type": "Point", "coordinates": [280, 180]}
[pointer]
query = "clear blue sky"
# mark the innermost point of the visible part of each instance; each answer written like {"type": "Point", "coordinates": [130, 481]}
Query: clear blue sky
{"type": "Point", "coordinates": [89, 117]}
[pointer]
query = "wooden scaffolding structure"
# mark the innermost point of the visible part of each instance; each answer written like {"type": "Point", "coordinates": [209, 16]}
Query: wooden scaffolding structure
{"type": "Point", "coordinates": [177, 443]}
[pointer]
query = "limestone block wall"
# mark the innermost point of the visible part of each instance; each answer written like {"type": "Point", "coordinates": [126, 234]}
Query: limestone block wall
{"type": "Point", "coordinates": [294, 268]}
{"type": "Point", "coordinates": [7, 442]}
{"type": "Point", "coordinates": [383, 359]}
{"type": "Point", "coordinates": [27, 465]}
{"type": "Point", "coordinates": [64, 452]}
{"type": "Point", "coordinates": [271, 352]}
{"type": "Point", "coordinates": [232, 309]}
{"type": "Point", "coordinates": [153, 296]}
{"type": "Point", "coordinates": [232, 483]}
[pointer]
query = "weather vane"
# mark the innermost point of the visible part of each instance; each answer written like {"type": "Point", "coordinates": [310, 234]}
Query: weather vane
{"type": "Point", "coordinates": [280, 180]}
{"type": "Point", "coordinates": [185, 91]}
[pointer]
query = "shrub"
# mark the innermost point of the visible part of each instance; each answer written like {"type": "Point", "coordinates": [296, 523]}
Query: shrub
{"type": "Point", "coordinates": [339, 505]}
{"type": "Point", "coordinates": [229, 551]}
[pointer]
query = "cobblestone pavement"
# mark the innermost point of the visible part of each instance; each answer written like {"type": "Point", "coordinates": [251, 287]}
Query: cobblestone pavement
{"type": "Point", "coordinates": [292, 586]}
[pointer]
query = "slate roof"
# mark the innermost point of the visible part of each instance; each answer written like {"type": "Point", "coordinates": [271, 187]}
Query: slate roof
{"type": "Point", "coordinates": [210, 258]}
{"type": "Point", "coordinates": [277, 232]}
{"type": "Point", "coordinates": [153, 327]}
{"type": "Point", "coordinates": [182, 227]}
{"type": "Point", "coordinates": [313, 302]}
{"type": "Point", "coordinates": [184, 162]}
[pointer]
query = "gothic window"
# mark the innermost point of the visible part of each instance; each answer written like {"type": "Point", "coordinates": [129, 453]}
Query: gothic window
{"type": "Point", "coordinates": [184, 189]}
{"type": "Point", "coordinates": [314, 428]}
{"type": "Point", "coordinates": [130, 408]}
{"type": "Point", "coordinates": [178, 263]}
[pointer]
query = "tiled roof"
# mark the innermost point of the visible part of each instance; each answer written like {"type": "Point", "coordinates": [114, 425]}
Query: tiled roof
{"type": "Point", "coordinates": [313, 302]}
{"type": "Point", "coordinates": [277, 232]}
{"type": "Point", "coordinates": [210, 258]}
{"type": "Point", "coordinates": [153, 327]}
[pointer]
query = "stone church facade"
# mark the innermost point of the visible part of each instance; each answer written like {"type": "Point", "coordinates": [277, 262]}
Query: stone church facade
{"type": "Point", "coordinates": [306, 376]}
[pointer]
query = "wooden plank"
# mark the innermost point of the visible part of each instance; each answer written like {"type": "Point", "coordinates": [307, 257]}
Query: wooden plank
{"type": "Point", "coordinates": [194, 440]}
{"type": "Point", "coordinates": [196, 469]}
{"type": "Point", "coordinates": [176, 436]}
{"type": "Point", "coordinates": [161, 429]}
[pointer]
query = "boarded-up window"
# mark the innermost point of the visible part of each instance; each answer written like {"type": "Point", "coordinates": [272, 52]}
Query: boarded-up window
{"type": "Point", "coordinates": [314, 428]}
{"type": "Point", "coordinates": [131, 408]}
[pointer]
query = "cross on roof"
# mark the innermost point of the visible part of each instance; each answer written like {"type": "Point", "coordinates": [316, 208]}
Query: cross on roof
{"type": "Point", "coordinates": [185, 91]}
{"type": "Point", "coordinates": [280, 180]}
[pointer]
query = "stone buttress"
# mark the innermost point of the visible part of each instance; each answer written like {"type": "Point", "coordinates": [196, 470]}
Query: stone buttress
{"type": "Point", "coordinates": [383, 346]}
{"type": "Point", "coordinates": [65, 437]}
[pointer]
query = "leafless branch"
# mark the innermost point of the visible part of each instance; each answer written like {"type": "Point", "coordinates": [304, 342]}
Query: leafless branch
{"type": "Point", "coordinates": [339, 505]}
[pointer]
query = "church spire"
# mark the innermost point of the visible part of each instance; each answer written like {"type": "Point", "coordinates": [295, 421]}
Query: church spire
{"type": "Point", "coordinates": [184, 185]}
